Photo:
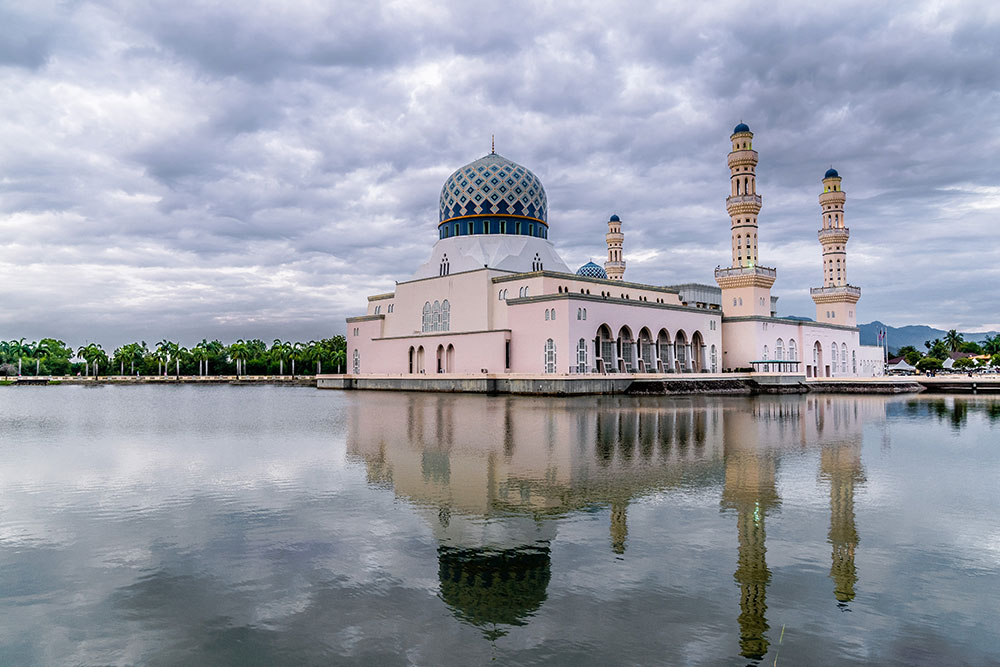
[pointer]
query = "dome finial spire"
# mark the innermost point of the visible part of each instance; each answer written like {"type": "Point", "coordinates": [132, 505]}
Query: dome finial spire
{"type": "Point", "coordinates": [493, 144]}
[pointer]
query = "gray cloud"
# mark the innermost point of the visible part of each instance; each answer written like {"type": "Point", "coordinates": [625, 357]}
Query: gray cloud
{"type": "Point", "coordinates": [224, 171]}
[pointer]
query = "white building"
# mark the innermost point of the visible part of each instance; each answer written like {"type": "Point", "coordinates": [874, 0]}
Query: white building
{"type": "Point", "coordinates": [495, 297]}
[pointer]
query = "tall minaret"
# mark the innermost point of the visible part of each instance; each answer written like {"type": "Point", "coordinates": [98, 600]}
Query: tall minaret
{"type": "Point", "coordinates": [615, 266]}
{"type": "Point", "coordinates": [746, 286]}
{"type": "Point", "coordinates": [835, 300]}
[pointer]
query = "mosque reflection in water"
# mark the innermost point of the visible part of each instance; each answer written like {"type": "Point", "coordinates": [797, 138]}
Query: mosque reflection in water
{"type": "Point", "coordinates": [489, 476]}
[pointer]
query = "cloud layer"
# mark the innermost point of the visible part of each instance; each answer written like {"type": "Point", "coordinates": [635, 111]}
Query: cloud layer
{"type": "Point", "coordinates": [223, 171]}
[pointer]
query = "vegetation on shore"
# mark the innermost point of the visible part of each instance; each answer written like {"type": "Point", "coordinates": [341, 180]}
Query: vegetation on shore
{"type": "Point", "coordinates": [52, 357]}
{"type": "Point", "coordinates": [938, 350]}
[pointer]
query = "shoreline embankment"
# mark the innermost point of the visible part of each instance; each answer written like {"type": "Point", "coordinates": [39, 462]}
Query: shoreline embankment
{"type": "Point", "coordinates": [565, 385]}
{"type": "Point", "coordinates": [281, 380]}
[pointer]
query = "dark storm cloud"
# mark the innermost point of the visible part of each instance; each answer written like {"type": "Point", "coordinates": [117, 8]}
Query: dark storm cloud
{"type": "Point", "coordinates": [224, 170]}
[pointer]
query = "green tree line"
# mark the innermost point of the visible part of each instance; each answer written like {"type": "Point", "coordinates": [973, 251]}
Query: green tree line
{"type": "Point", "coordinates": [52, 357]}
{"type": "Point", "coordinates": [938, 350]}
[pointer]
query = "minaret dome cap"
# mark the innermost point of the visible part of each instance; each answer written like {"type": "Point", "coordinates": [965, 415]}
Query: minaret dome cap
{"type": "Point", "coordinates": [831, 173]}
{"type": "Point", "coordinates": [742, 127]}
{"type": "Point", "coordinates": [614, 218]}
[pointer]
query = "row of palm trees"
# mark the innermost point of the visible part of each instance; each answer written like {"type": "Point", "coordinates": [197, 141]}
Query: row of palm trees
{"type": "Point", "coordinates": [170, 357]}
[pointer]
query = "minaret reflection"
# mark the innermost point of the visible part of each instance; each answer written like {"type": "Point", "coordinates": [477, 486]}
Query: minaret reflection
{"type": "Point", "coordinates": [840, 466]}
{"type": "Point", "coordinates": [492, 476]}
{"type": "Point", "coordinates": [751, 463]}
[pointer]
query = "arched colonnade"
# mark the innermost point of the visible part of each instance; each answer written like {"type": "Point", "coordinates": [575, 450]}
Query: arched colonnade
{"type": "Point", "coordinates": [645, 352]}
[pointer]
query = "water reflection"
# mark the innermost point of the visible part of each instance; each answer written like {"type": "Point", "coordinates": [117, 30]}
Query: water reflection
{"type": "Point", "coordinates": [490, 476]}
{"type": "Point", "coordinates": [954, 410]}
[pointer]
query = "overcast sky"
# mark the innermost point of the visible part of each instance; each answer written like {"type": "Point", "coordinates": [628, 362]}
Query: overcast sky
{"type": "Point", "coordinates": [232, 170]}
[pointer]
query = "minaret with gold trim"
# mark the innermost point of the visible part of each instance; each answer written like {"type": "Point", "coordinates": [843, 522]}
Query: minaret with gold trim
{"type": "Point", "coordinates": [746, 286]}
{"type": "Point", "coordinates": [836, 299]}
{"type": "Point", "coordinates": [615, 266]}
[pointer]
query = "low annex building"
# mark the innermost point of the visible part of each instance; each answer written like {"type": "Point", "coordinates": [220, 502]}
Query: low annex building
{"type": "Point", "coordinates": [495, 297]}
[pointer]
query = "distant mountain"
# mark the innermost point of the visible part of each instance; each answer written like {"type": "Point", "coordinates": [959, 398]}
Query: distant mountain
{"type": "Point", "coordinates": [914, 335]}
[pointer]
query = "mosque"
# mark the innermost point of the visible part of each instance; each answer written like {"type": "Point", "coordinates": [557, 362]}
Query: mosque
{"type": "Point", "coordinates": [495, 297]}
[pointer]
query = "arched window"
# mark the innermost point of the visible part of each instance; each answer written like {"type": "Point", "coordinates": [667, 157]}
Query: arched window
{"type": "Point", "coordinates": [412, 353]}
{"type": "Point", "coordinates": [579, 313]}
{"type": "Point", "coordinates": [426, 322]}
{"type": "Point", "coordinates": [584, 313]}
{"type": "Point", "coordinates": [357, 362]}
{"type": "Point", "coordinates": [553, 314]}
{"type": "Point", "coordinates": [833, 357]}
{"type": "Point", "coordinates": [715, 360]}
{"type": "Point", "coordinates": [581, 356]}
{"type": "Point", "coordinates": [792, 352]}
{"type": "Point", "coordinates": [445, 316]}
{"type": "Point", "coordinates": [854, 362]}
{"type": "Point", "coordinates": [550, 356]}
{"type": "Point", "coordinates": [546, 314]}
{"type": "Point", "coordinates": [436, 316]}
{"type": "Point", "coordinates": [779, 350]}
{"type": "Point", "coordinates": [843, 357]}
{"type": "Point", "coordinates": [765, 352]}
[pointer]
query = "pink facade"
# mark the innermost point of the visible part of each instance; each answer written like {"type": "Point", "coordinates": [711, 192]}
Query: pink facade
{"type": "Point", "coordinates": [496, 298]}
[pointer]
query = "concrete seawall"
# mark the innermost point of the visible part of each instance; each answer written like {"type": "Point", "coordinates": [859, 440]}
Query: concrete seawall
{"type": "Point", "coordinates": [577, 385]}
{"type": "Point", "coordinates": [280, 380]}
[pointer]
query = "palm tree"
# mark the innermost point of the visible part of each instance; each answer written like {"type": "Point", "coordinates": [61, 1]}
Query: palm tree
{"type": "Point", "coordinates": [298, 350]}
{"type": "Point", "coordinates": [280, 351]}
{"type": "Point", "coordinates": [338, 358]}
{"type": "Point", "coordinates": [238, 353]}
{"type": "Point", "coordinates": [200, 352]}
{"type": "Point", "coordinates": [991, 345]}
{"type": "Point", "coordinates": [93, 354]}
{"type": "Point", "coordinates": [313, 352]}
{"type": "Point", "coordinates": [18, 348]}
{"type": "Point", "coordinates": [954, 340]}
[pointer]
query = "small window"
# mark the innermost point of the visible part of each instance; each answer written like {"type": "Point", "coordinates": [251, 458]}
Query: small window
{"type": "Point", "coordinates": [546, 314]}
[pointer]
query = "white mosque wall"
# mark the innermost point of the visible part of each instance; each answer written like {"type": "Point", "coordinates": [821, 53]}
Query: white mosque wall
{"type": "Point", "coordinates": [507, 252]}
{"type": "Point", "coordinates": [759, 339]}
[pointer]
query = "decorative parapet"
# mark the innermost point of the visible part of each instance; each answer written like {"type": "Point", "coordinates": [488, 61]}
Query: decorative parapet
{"type": "Point", "coordinates": [745, 276]}
{"type": "Point", "coordinates": [746, 271]}
{"type": "Point", "coordinates": [835, 294]}
{"type": "Point", "coordinates": [834, 234]}
{"type": "Point", "coordinates": [742, 157]}
{"type": "Point", "coordinates": [736, 204]}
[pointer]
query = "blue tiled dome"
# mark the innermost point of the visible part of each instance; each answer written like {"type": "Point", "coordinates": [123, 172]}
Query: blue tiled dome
{"type": "Point", "coordinates": [742, 127]}
{"type": "Point", "coordinates": [592, 270]}
{"type": "Point", "coordinates": [615, 218]}
{"type": "Point", "coordinates": [493, 185]}
{"type": "Point", "coordinates": [831, 173]}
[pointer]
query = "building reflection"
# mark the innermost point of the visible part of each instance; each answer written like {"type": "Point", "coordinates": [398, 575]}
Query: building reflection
{"type": "Point", "coordinates": [490, 475]}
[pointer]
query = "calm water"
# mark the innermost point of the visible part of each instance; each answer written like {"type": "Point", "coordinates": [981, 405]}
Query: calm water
{"type": "Point", "coordinates": [260, 525]}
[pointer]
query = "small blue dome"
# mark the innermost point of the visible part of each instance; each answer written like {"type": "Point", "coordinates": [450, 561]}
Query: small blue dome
{"type": "Point", "coordinates": [592, 270]}
{"type": "Point", "coordinates": [615, 218]}
{"type": "Point", "coordinates": [742, 127]}
{"type": "Point", "coordinates": [831, 173]}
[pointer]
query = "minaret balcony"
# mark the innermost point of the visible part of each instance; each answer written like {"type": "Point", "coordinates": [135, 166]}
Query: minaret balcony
{"type": "Point", "coordinates": [742, 158]}
{"type": "Point", "coordinates": [738, 204]}
{"type": "Point", "coordinates": [745, 276]}
{"type": "Point", "coordinates": [834, 235]}
{"type": "Point", "coordinates": [746, 271]}
{"type": "Point", "coordinates": [835, 293]}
